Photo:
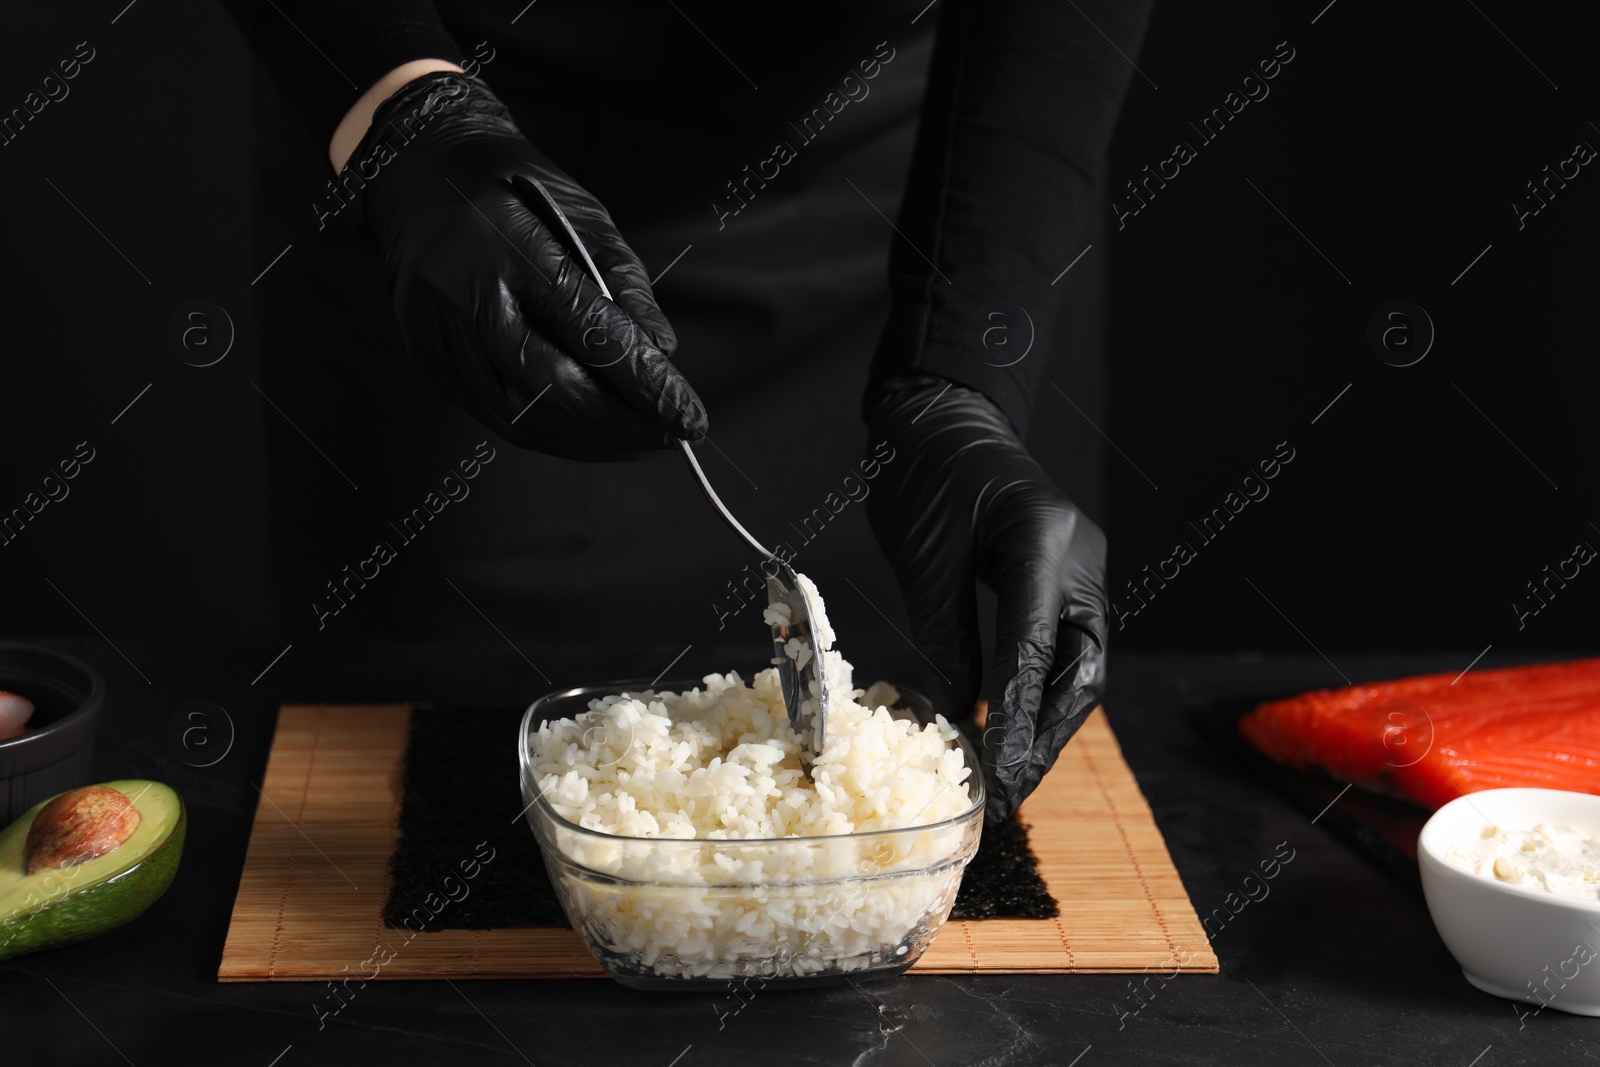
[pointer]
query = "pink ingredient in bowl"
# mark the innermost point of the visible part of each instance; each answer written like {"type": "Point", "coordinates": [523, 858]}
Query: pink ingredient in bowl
{"type": "Point", "coordinates": [15, 711]}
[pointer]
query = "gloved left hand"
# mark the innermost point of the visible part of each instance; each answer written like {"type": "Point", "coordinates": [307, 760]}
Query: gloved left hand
{"type": "Point", "coordinates": [964, 501]}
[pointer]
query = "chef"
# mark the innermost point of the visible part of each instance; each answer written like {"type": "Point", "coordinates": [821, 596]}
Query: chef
{"type": "Point", "coordinates": [739, 157]}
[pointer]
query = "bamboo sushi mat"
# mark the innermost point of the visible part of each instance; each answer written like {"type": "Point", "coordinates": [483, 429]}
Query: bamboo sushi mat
{"type": "Point", "coordinates": [316, 875]}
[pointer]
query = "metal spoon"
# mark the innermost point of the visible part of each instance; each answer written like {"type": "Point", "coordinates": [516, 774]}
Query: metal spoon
{"type": "Point", "coordinates": [783, 585]}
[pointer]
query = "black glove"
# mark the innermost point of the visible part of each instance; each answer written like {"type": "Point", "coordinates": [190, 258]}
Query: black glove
{"type": "Point", "coordinates": [963, 501]}
{"type": "Point", "coordinates": [494, 309]}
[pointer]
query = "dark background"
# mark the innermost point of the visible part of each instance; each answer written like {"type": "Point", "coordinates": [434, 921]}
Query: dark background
{"type": "Point", "coordinates": [1394, 141]}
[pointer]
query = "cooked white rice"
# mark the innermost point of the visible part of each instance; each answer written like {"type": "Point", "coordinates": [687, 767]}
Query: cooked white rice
{"type": "Point", "coordinates": [721, 763]}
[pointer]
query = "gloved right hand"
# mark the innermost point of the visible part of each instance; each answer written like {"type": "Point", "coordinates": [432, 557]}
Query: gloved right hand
{"type": "Point", "coordinates": [495, 310]}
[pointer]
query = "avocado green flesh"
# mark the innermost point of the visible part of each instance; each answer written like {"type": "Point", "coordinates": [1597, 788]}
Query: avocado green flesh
{"type": "Point", "coordinates": [67, 904]}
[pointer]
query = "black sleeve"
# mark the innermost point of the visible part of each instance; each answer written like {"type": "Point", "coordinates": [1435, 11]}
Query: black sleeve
{"type": "Point", "coordinates": [1021, 101]}
{"type": "Point", "coordinates": [326, 53]}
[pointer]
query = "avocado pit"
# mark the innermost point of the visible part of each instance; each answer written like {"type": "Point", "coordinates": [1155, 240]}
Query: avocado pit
{"type": "Point", "coordinates": [79, 825]}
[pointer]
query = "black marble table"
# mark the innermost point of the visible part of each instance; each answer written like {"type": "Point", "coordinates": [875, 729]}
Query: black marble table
{"type": "Point", "coordinates": [1338, 964]}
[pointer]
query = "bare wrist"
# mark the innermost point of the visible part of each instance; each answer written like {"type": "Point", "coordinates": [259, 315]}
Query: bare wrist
{"type": "Point", "coordinates": [354, 125]}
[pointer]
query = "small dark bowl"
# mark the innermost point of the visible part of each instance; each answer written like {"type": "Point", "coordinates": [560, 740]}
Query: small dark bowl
{"type": "Point", "coordinates": [56, 753]}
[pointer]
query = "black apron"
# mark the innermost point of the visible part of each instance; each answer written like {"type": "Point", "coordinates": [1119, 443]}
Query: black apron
{"type": "Point", "coordinates": [771, 267]}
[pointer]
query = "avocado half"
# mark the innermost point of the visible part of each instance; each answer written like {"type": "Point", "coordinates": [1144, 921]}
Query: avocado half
{"type": "Point", "coordinates": [63, 905]}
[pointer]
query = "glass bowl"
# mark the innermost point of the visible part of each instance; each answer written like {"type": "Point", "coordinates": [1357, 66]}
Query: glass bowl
{"type": "Point", "coordinates": [670, 913]}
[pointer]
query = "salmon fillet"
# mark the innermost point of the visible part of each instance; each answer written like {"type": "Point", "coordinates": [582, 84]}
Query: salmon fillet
{"type": "Point", "coordinates": [1431, 741]}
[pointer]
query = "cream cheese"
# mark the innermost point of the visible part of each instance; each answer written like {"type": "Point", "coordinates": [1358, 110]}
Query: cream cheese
{"type": "Point", "coordinates": [1553, 857]}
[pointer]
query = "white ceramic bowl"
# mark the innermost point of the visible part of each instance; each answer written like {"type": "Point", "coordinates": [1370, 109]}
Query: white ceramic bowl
{"type": "Point", "coordinates": [1523, 944]}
